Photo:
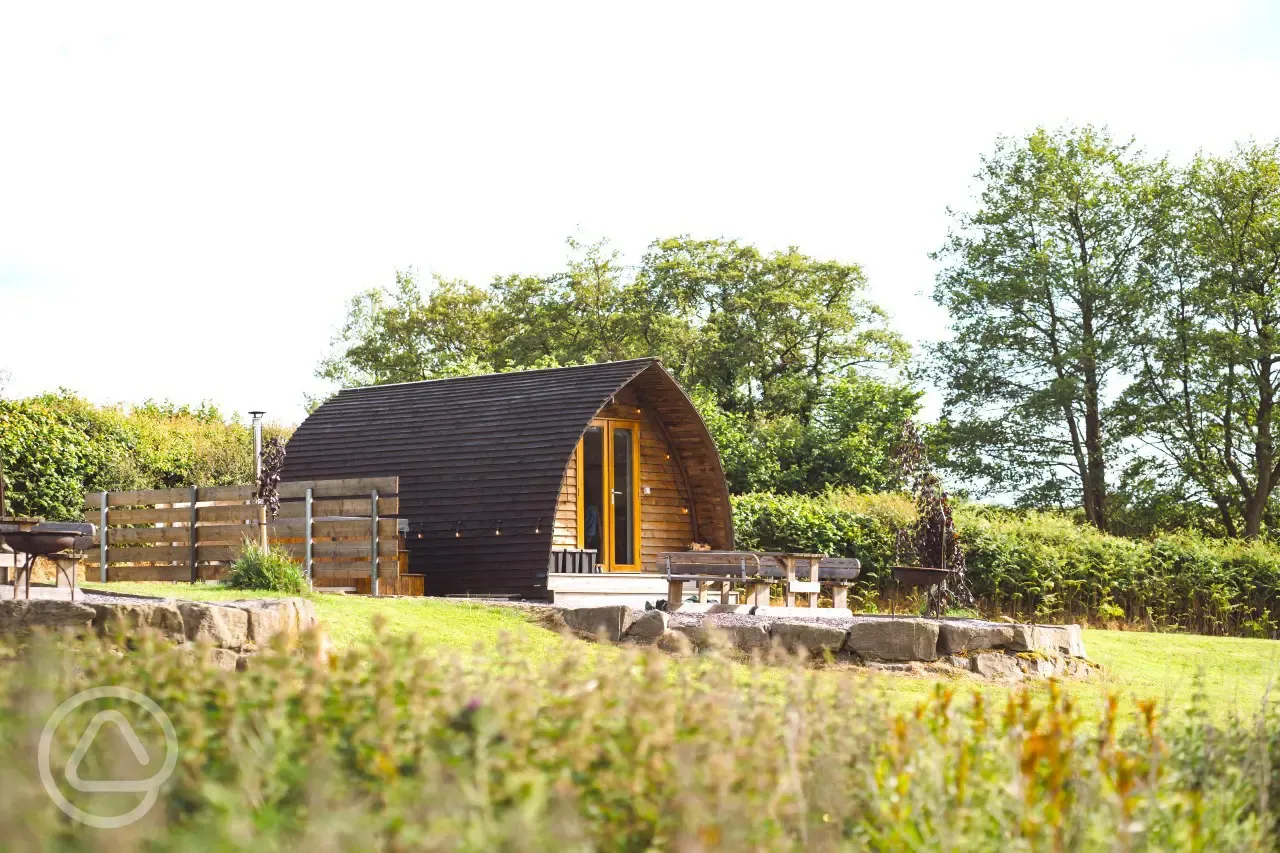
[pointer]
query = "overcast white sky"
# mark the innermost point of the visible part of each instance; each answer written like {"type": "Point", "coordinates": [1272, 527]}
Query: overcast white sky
{"type": "Point", "coordinates": [190, 193]}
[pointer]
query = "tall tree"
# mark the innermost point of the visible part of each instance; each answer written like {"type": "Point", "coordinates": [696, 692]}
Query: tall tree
{"type": "Point", "coordinates": [402, 335]}
{"type": "Point", "coordinates": [765, 333]}
{"type": "Point", "coordinates": [1045, 284]}
{"type": "Point", "coordinates": [790, 361]}
{"type": "Point", "coordinates": [1206, 392]}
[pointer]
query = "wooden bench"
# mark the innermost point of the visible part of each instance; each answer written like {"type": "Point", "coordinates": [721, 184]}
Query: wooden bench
{"type": "Point", "coordinates": [839, 573]}
{"type": "Point", "coordinates": [835, 573]}
{"type": "Point", "coordinates": [705, 568]}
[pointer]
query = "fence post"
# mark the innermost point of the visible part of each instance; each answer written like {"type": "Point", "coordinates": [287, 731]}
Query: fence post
{"type": "Point", "coordinates": [308, 530]}
{"type": "Point", "coordinates": [102, 539]}
{"type": "Point", "coordinates": [373, 557]}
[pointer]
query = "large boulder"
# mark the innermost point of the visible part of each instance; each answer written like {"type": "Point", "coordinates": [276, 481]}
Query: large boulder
{"type": "Point", "coordinates": [894, 638]}
{"type": "Point", "coordinates": [271, 616]}
{"type": "Point", "coordinates": [1050, 640]}
{"type": "Point", "coordinates": [611, 621]}
{"type": "Point", "coordinates": [162, 617]}
{"type": "Point", "coordinates": [745, 638]}
{"type": "Point", "coordinates": [220, 658]}
{"type": "Point", "coordinates": [24, 616]}
{"type": "Point", "coordinates": [996, 665]}
{"type": "Point", "coordinates": [674, 643]}
{"type": "Point", "coordinates": [223, 627]}
{"type": "Point", "coordinates": [955, 637]}
{"type": "Point", "coordinates": [648, 627]}
{"type": "Point", "coordinates": [811, 636]}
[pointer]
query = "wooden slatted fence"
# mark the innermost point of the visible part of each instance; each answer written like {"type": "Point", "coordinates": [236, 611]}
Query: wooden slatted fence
{"type": "Point", "coordinates": [341, 531]}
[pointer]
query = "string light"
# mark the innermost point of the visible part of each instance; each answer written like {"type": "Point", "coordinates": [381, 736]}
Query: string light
{"type": "Point", "coordinates": [537, 526]}
{"type": "Point", "coordinates": [497, 530]}
{"type": "Point", "coordinates": [457, 530]}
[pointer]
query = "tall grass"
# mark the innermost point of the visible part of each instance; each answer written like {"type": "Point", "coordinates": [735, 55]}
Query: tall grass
{"type": "Point", "coordinates": [393, 748]}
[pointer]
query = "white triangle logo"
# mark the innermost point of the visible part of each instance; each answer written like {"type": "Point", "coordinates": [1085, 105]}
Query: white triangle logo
{"type": "Point", "coordinates": [86, 741]}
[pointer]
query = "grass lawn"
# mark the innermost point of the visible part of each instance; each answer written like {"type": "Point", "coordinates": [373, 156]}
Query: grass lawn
{"type": "Point", "coordinates": [454, 626]}
{"type": "Point", "coordinates": [1234, 675]}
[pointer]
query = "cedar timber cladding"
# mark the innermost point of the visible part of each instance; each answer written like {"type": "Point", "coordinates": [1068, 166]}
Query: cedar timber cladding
{"type": "Point", "coordinates": [482, 462]}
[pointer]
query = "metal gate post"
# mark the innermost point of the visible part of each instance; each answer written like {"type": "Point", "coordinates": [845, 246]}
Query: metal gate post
{"type": "Point", "coordinates": [191, 529]}
{"type": "Point", "coordinates": [308, 532]}
{"type": "Point", "coordinates": [102, 539]}
{"type": "Point", "coordinates": [373, 559]}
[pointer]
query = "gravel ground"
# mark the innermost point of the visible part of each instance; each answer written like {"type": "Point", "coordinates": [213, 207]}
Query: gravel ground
{"type": "Point", "coordinates": [726, 620]}
{"type": "Point", "coordinates": [96, 597]}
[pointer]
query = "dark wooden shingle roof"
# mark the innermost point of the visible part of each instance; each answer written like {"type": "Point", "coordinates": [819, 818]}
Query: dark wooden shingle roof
{"type": "Point", "coordinates": [471, 453]}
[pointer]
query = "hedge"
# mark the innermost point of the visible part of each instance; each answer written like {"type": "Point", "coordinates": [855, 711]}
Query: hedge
{"type": "Point", "coordinates": [55, 447]}
{"type": "Point", "coordinates": [1040, 565]}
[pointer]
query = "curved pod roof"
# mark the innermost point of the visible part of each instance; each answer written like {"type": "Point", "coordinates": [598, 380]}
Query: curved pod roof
{"type": "Point", "coordinates": [481, 458]}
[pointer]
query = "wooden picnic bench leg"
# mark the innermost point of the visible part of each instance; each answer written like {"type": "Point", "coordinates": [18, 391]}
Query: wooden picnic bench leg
{"type": "Point", "coordinates": [758, 593]}
{"type": "Point", "coordinates": [789, 565]}
{"type": "Point", "coordinates": [675, 592]}
{"type": "Point", "coordinates": [703, 588]}
{"type": "Point", "coordinates": [840, 596]}
{"type": "Point", "coordinates": [726, 591]}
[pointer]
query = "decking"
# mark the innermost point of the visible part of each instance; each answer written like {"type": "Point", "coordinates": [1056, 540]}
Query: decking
{"type": "Point", "coordinates": [634, 589]}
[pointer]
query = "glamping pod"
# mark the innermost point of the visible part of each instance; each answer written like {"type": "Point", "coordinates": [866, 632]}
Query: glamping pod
{"type": "Point", "coordinates": [506, 476]}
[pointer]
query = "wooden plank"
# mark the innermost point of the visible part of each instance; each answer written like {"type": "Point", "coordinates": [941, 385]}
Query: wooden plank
{"type": "Point", "coordinates": [289, 528]}
{"type": "Point", "coordinates": [322, 570]}
{"type": "Point", "coordinates": [350, 507]}
{"type": "Point", "coordinates": [154, 554]}
{"type": "Point", "coordinates": [348, 488]}
{"type": "Point", "coordinates": [228, 512]}
{"type": "Point", "coordinates": [227, 493]}
{"type": "Point", "coordinates": [163, 573]}
{"type": "Point", "coordinates": [346, 529]}
{"type": "Point", "coordinates": [93, 500]}
{"type": "Point", "coordinates": [226, 533]}
{"type": "Point", "coordinates": [147, 516]}
{"type": "Point", "coordinates": [359, 551]}
{"type": "Point", "coordinates": [149, 536]}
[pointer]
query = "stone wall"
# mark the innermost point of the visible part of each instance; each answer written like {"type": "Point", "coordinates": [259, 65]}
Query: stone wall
{"type": "Point", "coordinates": [893, 643]}
{"type": "Point", "coordinates": [228, 631]}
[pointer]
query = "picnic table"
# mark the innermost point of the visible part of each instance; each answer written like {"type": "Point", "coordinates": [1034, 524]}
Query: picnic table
{"type": "Point", "coordinates": [756, 571]}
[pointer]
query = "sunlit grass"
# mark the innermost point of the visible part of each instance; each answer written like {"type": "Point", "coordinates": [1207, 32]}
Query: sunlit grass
{"type": "Point", "coordinates": [1233, 675]}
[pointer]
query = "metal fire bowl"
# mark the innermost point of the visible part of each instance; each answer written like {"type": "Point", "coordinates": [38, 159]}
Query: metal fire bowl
{"type": "Point", "coordinates": [915, 576]}
{"type": "Point", "coordinates": [43, 539]}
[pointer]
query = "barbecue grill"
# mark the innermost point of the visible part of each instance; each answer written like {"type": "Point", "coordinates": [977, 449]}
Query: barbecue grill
{"type": "Point", "coordinates": [34, 538]}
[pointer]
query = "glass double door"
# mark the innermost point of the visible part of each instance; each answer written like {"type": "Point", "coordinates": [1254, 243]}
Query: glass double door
{"type": "Point", "coordinates": [609, 494]}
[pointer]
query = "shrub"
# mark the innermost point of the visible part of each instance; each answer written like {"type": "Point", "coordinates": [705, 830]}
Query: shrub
{"type": "Point", "coordinates": [392, 747]}
{"type": "Point", "coordinates": [1040, 565]}
{"type": "Point", "coordinates": [56, 447]}
{"type": "Point", "coordinates": [270, 570]}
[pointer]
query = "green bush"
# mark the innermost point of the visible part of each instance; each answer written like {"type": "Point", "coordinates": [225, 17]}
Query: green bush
{"type": "Point", "coordinates": [391, 747]}
{"type": "Point", "coordinates": [268, 569]}
{"type": "Point", "coordinates": [56, 447]}
{"type": "Point", "coordinates": [1041, 565]}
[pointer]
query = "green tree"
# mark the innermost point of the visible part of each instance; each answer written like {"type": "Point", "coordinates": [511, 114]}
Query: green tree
{"type": "Point", "coordinates": [788, 359]}
{"type": "Point", "coordinates": [1045, 283]}
{"type": "Point", "coordinates": [766, 334]}
{"type": "Point", "coordinates": [576, 316]}
{"type": "Point", "coordinates": [402, 335]}
{"type": "Point", "coordinates": [1205, 395]}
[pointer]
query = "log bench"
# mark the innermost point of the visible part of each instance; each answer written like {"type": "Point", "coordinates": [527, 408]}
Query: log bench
{"type": "Point", "coordinates": [724, 568]}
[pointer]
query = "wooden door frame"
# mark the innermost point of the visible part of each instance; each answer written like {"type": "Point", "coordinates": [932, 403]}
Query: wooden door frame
{"type": "Point", "coordinates": [608, 425]}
